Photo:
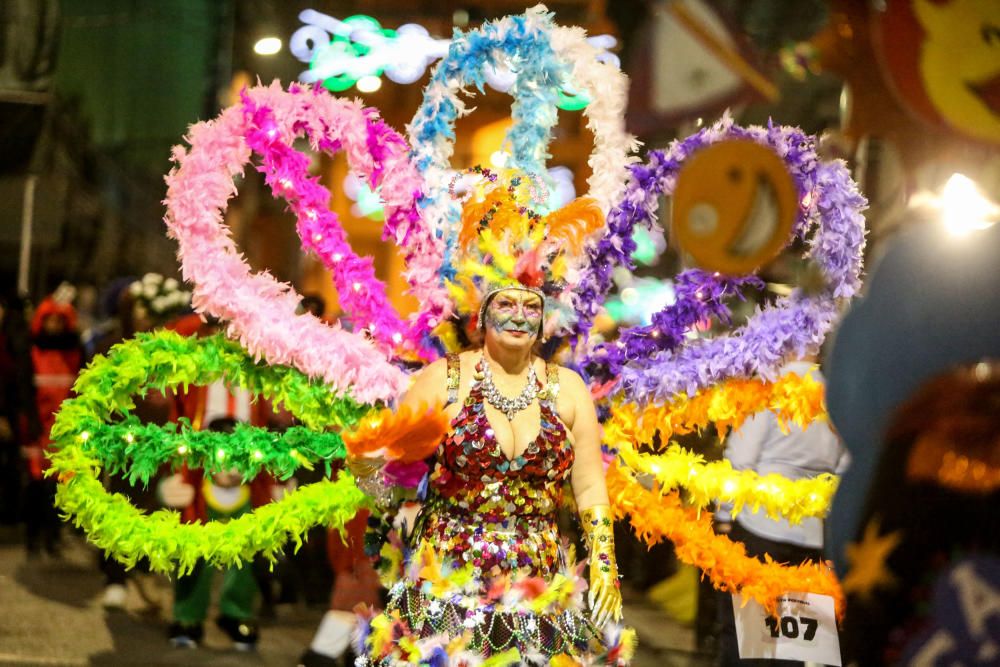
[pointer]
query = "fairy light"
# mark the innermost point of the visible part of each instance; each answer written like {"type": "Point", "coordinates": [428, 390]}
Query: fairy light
{"type": "Point", "coordinates": [220, 454]}
{"type": "Point", "coordinates": [85, 436]}
{"type": "Point", "coordinates": [129, 438]}
{"type": "Point", "coordinates": [182, 450]}
{"type": "Point", "coordinates": [258, 455]}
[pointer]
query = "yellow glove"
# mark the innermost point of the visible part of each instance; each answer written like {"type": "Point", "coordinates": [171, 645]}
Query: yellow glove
{"type": "Point", "coordinates": [605, 594]}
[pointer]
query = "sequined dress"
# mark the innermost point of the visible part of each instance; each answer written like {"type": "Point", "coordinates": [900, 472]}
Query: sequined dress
{"type": "Point", "coordinates": [496, 516]}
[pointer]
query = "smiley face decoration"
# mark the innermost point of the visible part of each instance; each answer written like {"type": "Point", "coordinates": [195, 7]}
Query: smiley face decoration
{"type": "Point", "coordinates": [733, 207]}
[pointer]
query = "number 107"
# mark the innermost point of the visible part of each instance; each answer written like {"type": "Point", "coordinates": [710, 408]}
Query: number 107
{"type": "Point", "coordinates": [788, 626]}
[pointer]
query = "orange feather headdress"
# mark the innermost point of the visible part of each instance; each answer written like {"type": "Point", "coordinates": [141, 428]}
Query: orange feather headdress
{"type": "Point", "coordinates": [504, 244]}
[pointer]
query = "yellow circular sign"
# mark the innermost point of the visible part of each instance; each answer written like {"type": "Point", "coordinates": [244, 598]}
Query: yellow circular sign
{"type": "Point", "coordinates": [733, 207]}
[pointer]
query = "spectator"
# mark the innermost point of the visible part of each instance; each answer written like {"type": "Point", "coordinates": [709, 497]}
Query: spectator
{"type": "Point", "coordinates": [18, 416]}
{"type": "Point", "coordinates": [56, 358]}
{"type": "Point", "coordinates": [762, 446]}
{"type": "Point", "coordinates": [219, 497]}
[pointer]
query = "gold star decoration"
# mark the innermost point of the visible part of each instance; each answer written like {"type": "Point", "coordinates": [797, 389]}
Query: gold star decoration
{"type": "Point", "coordinates": [867, 560]}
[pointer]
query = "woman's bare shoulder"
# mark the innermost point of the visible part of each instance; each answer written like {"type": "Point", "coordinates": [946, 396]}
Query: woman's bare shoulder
{"type": "Point", "coordinates": [570, 380]}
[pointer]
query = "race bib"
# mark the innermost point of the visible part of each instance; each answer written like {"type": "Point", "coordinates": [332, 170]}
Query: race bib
{"type": "Point", "coordinates": [805, 628]}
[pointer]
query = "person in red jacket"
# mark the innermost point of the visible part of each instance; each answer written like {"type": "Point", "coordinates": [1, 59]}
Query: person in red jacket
{"type": "Point", "coordinates": [56, 357]}
{"type": "Point", "coordinates": [219, 497]}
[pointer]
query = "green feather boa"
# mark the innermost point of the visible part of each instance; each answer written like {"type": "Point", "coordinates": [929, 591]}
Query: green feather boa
{"type": "Point", "coordinates": [87, 441]}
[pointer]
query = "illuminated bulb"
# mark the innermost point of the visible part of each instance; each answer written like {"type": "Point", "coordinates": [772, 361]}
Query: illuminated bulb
{"type": "Point", "coordinates": [220, 454]}
{"type": "Point", "coordinates": [728, 487]}
{"type": "Point", "coordinates": [356, 287]}
{"type": "Point", "coordinates": [397, 338]}
{"type": "Point", "coordinates": [129, 438]}
{"type": "Point", "coordinates": [267, 46]}
{"type": "Point", "coordinates": [182, 450]}
{"type": "Point", "coordinates": [698, 294]}
{"type": "Point", "coordinates": [258, 455]}
{"type": "Point", "coordinates": [964, 208]}
{"type": "Point", "coordinates": [337, 257]}
{"type": "Point", "coordinates": [368, 84]}
{"type": "Point", "coordinates": [311, 214]}
{"type": "Point", "coordinates": [294, 453]}
{"type": "Point", "coordinates": [285, 183]}
{"type": "Point", "coordinates": [317, 237]}
{"type": "Point", "coordinates": [656, 333]}
{"type": "Point", "coordinates": [85, 436]}
{"type": "Point", "coordinates": [432, 323]}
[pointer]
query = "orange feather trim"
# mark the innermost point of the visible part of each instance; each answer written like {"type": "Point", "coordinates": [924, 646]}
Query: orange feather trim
{"type": "Point", "coordinates": [655, 517]}
{"type": "Point", "coordinates": [406, 436]}
{"type": "Point", "coordinates": [570, 226]}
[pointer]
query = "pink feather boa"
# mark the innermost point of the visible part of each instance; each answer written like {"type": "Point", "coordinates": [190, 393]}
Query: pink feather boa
{"type": "Point", "coordinates": [378, 153]}
{"type": "Point", "coordinates": [260, 311]}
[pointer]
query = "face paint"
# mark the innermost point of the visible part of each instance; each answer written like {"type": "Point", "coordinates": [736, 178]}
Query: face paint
{"type": "Point", "coordinates": [515, 311]}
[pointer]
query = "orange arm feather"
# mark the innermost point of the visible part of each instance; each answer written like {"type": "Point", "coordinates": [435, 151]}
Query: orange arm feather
{"type": "Point", "coordinates": [406, 436]}
{"type": "Point", "coordinates": [573, 223]}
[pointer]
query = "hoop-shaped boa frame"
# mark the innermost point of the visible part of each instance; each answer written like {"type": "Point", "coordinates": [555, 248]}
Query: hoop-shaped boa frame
{"type": "Point", "coordinates": [547, 57]}
{"type": "Point", "coordinates": [384, 152]}
{"type": "Point", "coordinates": [656, 516]}
{"type": "Point", "coordinates": [260, 311]}
{"type": "Point", "coordinates": [163, 360]}
{"type": "Point", "coordinates": [655, 362]}
{"type": "Point", "coordinates": [794, 399]}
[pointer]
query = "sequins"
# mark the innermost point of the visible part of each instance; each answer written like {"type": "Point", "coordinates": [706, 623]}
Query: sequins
{"type": "Point", "coordinates": [493, 512]}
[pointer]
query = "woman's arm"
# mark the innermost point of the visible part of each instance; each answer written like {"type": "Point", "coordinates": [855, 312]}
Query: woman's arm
{"type": "Point", "coordinates": [428, 386]}
{"type": "Point", "coordinates": [592, 501]}
{"type": "Point", "coordinates": [587, 476]}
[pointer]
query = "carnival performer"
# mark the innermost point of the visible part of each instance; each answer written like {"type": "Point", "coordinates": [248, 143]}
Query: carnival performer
{"type": "Point", "coordinates": [487, 575]}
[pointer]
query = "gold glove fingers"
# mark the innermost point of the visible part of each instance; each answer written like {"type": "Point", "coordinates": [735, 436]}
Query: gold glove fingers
{"type": "Point", "coordinates": [605, 598]}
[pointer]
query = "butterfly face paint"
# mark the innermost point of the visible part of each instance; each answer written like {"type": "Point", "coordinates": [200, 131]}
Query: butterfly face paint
{"type": "Point", "coordinates": [516, 312]}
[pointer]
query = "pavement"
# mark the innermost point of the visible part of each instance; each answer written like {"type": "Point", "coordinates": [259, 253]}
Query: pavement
{"type": "Point", "coordinates": [52, 615]}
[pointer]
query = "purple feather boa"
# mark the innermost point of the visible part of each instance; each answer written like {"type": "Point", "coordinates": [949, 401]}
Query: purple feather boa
{"type": "Point", "coordinates": [651, 361]}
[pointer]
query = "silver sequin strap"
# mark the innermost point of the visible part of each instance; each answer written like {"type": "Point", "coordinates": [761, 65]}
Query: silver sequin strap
{"type": "Point", "coordinates": [454, 377]}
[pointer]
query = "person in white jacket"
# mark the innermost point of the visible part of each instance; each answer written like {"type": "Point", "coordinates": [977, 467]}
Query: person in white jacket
{"type": "Point", "coordinates": [761, 445]}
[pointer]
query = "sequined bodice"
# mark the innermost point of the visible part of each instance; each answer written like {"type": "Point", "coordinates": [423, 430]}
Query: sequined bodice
{"type": "Point", "coordinates": [496, 512]}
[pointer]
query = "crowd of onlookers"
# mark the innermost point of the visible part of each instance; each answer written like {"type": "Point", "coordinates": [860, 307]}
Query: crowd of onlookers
{"type": "Point", "coordinates": [43, 348]}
